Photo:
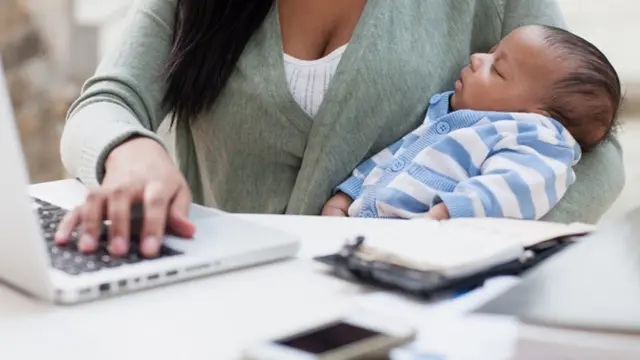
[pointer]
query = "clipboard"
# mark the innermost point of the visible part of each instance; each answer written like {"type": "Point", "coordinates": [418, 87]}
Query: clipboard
{"type": "Point", "coordinates": [519, 245]}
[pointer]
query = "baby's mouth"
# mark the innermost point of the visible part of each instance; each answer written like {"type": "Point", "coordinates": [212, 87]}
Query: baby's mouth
{"type": "Point", "coordinates": [461, 74]}
{"type": "Point", "coordinates": [459, 83]}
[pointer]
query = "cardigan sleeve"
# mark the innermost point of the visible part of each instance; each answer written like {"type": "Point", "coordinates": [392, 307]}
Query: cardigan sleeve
{"type": "Point", "coordinates": [600, 173]}
{"type": "Point", "coordinates": [123, 98]}
{"type": "Point", "coordinates": [352, 187]}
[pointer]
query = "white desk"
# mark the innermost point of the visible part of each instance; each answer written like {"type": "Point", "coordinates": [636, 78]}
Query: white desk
{"type": "Point", "coordinates": [214, 317]}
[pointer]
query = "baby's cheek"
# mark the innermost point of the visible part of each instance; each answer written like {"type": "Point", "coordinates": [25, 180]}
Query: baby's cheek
{"type": "Point", "coordinates": [469, 99]}
{"type": "Point", "coordinates": [488, 97]}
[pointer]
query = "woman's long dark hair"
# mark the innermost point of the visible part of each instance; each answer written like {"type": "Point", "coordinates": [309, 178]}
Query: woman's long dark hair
{"type": "Point", "coordinates": [208, 39]}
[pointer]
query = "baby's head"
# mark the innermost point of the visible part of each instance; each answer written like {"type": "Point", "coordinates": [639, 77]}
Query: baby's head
{"type": "Point", "coordinates": [548, 71]}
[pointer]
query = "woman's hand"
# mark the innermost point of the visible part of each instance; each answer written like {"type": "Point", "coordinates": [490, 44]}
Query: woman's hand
{"type": "Point", "coordinates": [138, 171]}
{"type": "Point", "coordinates": [337, 205]}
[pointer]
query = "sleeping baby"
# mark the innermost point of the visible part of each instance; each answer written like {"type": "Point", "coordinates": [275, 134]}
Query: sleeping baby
{"type": "Point", "coordinates": [503, 143]}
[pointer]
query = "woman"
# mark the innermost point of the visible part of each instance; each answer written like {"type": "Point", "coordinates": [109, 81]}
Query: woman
{"type": "Point", "coordinates": [274, 103]}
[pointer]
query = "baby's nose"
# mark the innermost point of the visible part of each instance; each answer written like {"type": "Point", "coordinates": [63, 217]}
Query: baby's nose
{"type": "Point", "coordinates": [477, 60]}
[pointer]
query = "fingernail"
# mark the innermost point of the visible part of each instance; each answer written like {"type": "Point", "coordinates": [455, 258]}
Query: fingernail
{"type": "Point", "coordinates": [118, 246]}
{"type": "Point", "coordinates": [59, 237]}
{"type": "Point", "coordinates": [150, 246]}
{"type": "Point", "coordinates": [86, 243]}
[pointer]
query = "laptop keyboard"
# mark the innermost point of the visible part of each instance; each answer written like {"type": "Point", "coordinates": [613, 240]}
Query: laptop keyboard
{"type": "Point", "coordinates": [70, 260]}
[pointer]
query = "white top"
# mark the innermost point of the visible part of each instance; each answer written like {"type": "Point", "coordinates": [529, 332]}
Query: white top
{"type": "Point", "coordinates": [309, 80]}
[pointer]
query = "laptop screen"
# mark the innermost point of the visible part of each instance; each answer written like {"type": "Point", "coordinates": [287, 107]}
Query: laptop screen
{"type": "Point", "coordinates": [5, 101]}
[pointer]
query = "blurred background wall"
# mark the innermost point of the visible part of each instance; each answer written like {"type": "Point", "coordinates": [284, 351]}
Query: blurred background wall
{"type": "Point", "coordinates": [40, 87]}
{"type": "Point", "coordinates": [50, 46]}
{"type": "Point", "coordinates": [613, 26]}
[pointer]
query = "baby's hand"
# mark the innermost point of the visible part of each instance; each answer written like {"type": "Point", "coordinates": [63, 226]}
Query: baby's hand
{"type": "Point", "coordinates": [439, 212]}
{"type": "Point", "coordinates": [338, 205]}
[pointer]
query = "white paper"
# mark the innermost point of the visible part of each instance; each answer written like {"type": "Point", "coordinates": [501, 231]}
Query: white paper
{"type": "Point", "coordinates": [461, 246]}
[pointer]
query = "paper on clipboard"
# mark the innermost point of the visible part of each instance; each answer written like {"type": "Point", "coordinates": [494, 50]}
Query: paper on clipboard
{"type": "Point", "coordinates": [459, 247]}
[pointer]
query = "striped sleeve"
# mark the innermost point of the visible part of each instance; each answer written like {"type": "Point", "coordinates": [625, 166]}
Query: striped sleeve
{"type": "Point", "coordinates": [353, 185]}
{"type": "Point", "coordinates": [525, 175]}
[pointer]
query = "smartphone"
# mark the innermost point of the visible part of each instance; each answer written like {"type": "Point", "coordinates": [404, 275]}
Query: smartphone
{"type": "Point", "coordinates": [361, 336]}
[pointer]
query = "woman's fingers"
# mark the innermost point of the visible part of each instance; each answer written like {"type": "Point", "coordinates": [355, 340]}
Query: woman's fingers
{"type": "Point", "coordinates": [91, 219]}
{"type": "Point", "coordinates": [120, 200]}
{"type": "Point", "coordinates": [66, 227]}
{"type": "Point", "coordinates": [156, 207]}
{"type": "Point", "coordinates": [178, 220]}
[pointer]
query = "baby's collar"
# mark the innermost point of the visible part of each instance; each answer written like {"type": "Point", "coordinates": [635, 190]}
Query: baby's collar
{"type": "Point", "coordinates": [439, 105]}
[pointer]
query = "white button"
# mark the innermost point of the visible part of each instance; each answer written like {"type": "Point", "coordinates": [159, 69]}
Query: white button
{"type": "Point", "coordinates": [443, 128]}
{"type": "Point", "coordinates": [398, 165]}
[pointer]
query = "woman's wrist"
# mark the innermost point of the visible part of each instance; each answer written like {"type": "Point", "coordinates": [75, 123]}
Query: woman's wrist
{"type": "Point", "coordinates": [134, 144]}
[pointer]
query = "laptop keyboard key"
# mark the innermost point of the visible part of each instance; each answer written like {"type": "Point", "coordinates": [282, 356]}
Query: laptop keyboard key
{"type": "Point", "coordinates": [58, 263]}
{"type": "Point", "coordinates": [54, 250]}
{"type": "Point", "coordinates": [132, 258]}
{"type": "Point", "coordinates": [91, 266]}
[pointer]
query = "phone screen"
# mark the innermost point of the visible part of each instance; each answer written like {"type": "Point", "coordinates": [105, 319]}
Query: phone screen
{"type": "Point", "coordinates": [328, 338]}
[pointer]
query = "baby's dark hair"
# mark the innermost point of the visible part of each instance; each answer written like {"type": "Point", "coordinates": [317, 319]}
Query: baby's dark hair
{"type": "Point", "coordinates": [585, 101]}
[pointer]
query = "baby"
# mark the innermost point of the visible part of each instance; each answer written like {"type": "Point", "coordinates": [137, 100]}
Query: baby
{"type": "Point", "coordinates": [503, 143]}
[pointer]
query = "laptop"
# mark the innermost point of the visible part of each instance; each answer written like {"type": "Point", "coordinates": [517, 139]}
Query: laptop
{"type": "Point", "coordinates": [583, 303]}
{"type": "Point", "coordinates": [32, 263]}
{"type": "Point", "coordinates": [594, 285]}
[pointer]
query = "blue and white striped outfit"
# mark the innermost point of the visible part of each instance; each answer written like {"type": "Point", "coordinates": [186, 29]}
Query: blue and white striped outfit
{"type": "Point", "coordinates": [480, 164]}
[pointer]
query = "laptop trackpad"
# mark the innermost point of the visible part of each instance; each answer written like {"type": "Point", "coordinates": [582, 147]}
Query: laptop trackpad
{"type": "Point", "coordinates": [224, 234]}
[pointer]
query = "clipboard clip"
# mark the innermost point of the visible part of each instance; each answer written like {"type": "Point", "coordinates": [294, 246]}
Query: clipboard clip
{"type": "Point", "coordinates": [348, 250]}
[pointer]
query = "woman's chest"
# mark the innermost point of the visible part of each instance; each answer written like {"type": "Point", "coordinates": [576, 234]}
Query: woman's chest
{"type": "Point", "coordinates": [311, 29]}
{"type": "Point", "coordinates": [400, 54]}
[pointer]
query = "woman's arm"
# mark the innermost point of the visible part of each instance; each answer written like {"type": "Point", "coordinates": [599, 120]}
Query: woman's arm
{"type": "Point", "coordinates": [600, 179]}
{"type": "Point", "coordinates": [123, 99]}
{"type": "Point", "coordinates": [600, 173]}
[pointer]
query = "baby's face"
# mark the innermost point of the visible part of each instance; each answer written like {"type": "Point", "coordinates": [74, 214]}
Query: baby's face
{"type": "Point", "coordinates": [513, 77]}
